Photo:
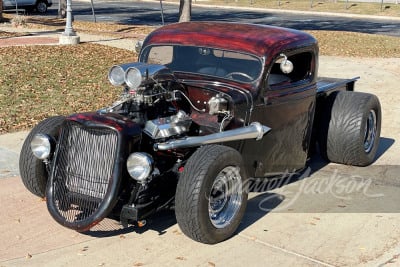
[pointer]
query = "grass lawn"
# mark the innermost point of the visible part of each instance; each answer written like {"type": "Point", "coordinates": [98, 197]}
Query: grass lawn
{"type": "Point", "coordinates": [40, 81]}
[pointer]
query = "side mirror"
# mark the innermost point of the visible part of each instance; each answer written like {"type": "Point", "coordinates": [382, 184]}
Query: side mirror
{"type": "Point", "coordinates": [138, 46]}
{"type": "Point", "coordinates": [286, 65]}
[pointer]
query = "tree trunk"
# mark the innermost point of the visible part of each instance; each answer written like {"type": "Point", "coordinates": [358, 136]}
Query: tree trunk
{"type": "Point", "coordinates": [62, 9]}
{"type": "Point", "coordinates": [185, 10]}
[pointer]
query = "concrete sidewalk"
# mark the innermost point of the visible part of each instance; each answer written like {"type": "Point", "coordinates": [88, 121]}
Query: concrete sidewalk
{"type": "Point", "coordinates": [339, 216]}
{"type": "Point", "coordinates": [45, 37]}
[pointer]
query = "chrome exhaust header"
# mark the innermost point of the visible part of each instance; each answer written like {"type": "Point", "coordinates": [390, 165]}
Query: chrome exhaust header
{"type": "Point", "coordinates": [254, 131]}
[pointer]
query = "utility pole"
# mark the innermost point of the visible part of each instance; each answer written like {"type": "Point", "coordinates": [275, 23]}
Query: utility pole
{"type": "Point", "coordinates": [69, 36]}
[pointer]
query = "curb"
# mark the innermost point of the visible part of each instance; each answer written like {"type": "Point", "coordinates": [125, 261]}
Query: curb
{"type": "Point", "coordinates": [28, 40]}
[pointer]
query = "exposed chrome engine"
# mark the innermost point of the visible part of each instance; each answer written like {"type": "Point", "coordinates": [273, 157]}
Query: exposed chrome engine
{"type": "Point", "coordinates": [169, 126]}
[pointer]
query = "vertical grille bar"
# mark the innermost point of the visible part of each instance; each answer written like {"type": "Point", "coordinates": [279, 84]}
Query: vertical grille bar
{"type": "Point", "coordinates": [83, 170]}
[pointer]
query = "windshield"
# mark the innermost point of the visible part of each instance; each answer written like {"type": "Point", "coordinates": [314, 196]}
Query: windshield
{"type": "Point", "coordinates": [205, 61]}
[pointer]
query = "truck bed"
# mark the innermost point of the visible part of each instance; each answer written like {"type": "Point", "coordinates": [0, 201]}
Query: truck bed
{"type": "Point", "coordinates": [326, 85]}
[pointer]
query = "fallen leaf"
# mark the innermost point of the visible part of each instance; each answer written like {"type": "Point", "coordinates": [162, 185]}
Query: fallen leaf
{"type": "Point", "coordinates": [177, 232]}
{"type": "Point", "coordinates": [138, 264]}
{"type": "Point", "coordinates": [180, 258]}
{"type": "Point", "coordinates": [122, 237]}
{"type": "Point", "coordinates": [211, 264]}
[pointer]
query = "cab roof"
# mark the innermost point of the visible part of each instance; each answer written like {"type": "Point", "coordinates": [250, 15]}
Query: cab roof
{"type": "Point", "coordinates": [259, 40]}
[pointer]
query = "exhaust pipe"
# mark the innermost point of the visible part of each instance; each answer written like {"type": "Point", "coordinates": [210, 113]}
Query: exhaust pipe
{"type": "Point", "coordinates": [254, 131]}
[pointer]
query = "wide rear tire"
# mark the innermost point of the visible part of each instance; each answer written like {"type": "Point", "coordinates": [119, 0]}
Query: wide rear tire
{"type": "Point", "coordinates": [33, 171]}
{"type": "Point", "coordinates": [211, 197]}
{"type": "Point", "coordinates": [351, 128]}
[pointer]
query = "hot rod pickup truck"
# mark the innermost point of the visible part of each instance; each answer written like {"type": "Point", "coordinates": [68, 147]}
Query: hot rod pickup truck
{"type": "Point", "coordinates": [207, 107]}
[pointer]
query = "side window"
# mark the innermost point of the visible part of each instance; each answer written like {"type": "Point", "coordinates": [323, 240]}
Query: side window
{"type": "Point", "coordinates": [302, 70]}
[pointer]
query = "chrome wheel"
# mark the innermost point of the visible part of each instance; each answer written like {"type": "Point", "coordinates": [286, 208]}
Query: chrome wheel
{"type": "Point", "coordinates": [225, 197]}
{"type": "Point", "coordinates": [370, 131]}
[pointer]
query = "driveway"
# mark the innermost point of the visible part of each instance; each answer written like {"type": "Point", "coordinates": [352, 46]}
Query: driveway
{"type": "Point", "coordinates": [333, 215]}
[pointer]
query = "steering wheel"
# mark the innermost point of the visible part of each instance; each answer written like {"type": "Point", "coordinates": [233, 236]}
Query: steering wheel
{"type": "Point", "coordinates": [244, 75]}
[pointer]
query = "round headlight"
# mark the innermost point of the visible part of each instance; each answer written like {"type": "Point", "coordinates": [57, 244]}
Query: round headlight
{"type": "Point", "coordinates": [133, 78]}
{"type": "Point", "coordinates": [41, 146]}
{"type": "Point", "coordinates": [139, 165]}
{"type": "Point", "coordinates": [116, 75]}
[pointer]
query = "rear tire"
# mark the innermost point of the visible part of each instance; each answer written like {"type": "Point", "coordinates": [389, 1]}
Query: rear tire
{"type": "Point", "coordinates": [352, 128]}
{"type": "Point", "coordinates": [33, 171]}
{"type": "Point", "coordinates": [210, 198]}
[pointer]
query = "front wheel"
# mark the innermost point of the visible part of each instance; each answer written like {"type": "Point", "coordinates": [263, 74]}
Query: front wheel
{"type": "Point", "coordinates": [211, 197]}
{"type": "Point", "coordinates": [32, 170]}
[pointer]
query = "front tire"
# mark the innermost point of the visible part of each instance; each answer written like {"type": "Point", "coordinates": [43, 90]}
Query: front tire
{"type": "Point", "coordinates": [33, 171]}
{"type": "Point", "coordinates": [352, 128]}
{"type": "Point", "coordinates": [211, 198]}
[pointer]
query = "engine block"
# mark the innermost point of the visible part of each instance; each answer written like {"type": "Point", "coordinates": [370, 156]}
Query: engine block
{"type": "Point", "coordinates": [168, 126]}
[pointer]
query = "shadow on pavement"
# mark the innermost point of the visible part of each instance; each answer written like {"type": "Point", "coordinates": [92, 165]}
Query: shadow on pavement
{"type": "Point", "coordinates": [257, 207]}
{"type": "Point", "coordinates": [384, 145]}
{"type": "Point", "coordinates": [254, 212]}
{"type": "Point", "coordinates": [158, 222]}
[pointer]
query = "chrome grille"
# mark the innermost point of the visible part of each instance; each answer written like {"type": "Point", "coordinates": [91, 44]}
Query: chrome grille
{"type": "Point", "coordinates": [83, 170]}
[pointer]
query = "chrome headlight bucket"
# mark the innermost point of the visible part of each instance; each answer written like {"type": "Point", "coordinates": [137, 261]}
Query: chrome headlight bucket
{"type": "Point", "coordinates": [41, 146]}
{"type": "Point", "coordinates": [140, 166]}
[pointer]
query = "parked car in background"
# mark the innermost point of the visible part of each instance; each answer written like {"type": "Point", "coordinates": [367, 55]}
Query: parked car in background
{"type": "Point", "coordinates": [39, 6]}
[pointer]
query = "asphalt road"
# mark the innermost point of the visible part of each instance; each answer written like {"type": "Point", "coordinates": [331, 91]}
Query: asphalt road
{"type": "Point", "coordinates": [148, 13]}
